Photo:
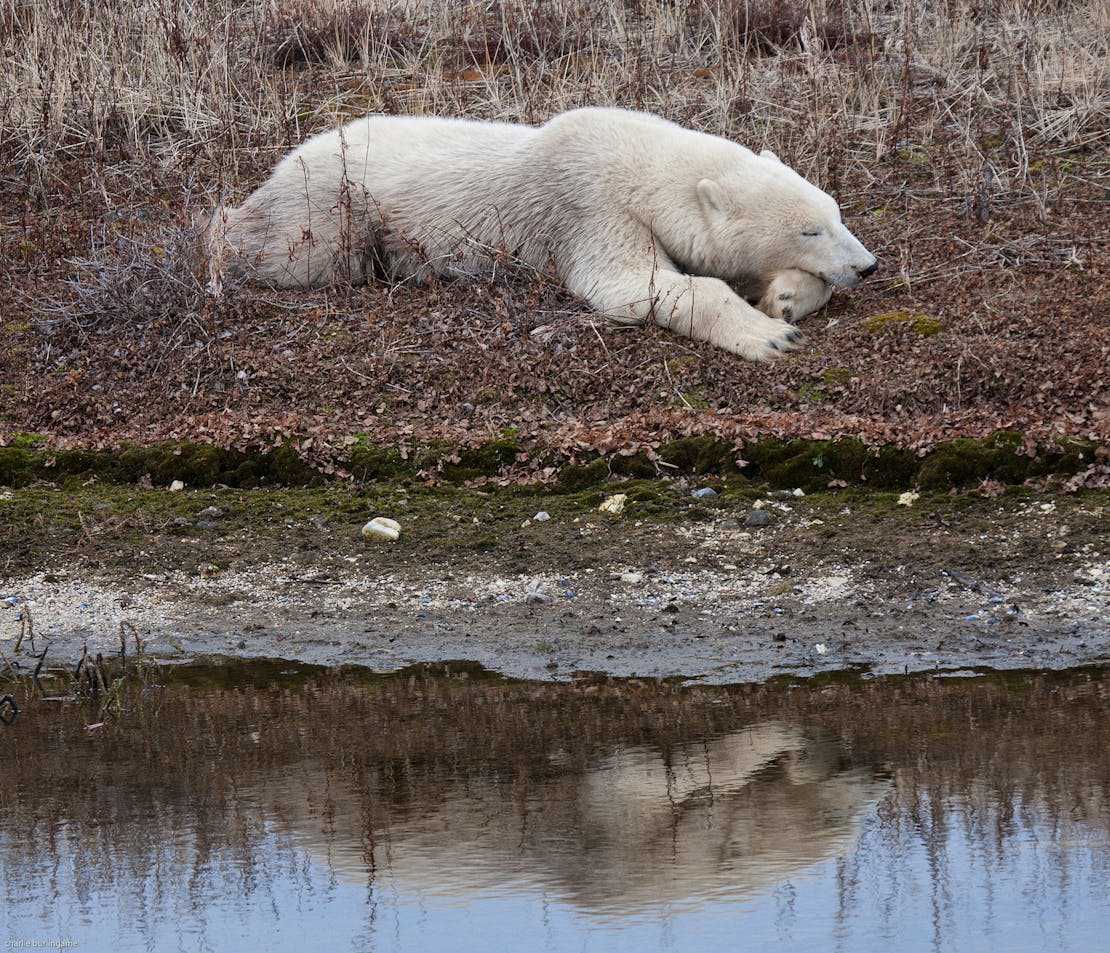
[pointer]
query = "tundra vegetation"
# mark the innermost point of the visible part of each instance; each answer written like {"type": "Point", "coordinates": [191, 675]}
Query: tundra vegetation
{"type": "Point", "coordinates": [967, 142]}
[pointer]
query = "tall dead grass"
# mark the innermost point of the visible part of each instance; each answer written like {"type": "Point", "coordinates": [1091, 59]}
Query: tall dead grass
{"type": "Point", "coordinates": [849, 82]}
{"type": "Point", "coordinates": [113, 106]}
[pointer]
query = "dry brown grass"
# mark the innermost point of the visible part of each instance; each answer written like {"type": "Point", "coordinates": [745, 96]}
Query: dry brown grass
{"type": "Point", "coordinates": [835, 85]}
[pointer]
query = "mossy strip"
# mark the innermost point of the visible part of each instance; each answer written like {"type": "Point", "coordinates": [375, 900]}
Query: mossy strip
{"type": "Point", "coordinates": [810, 464]}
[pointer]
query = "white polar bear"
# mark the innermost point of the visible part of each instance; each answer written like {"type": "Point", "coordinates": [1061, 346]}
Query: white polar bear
{"type": "Point", "coordinates": [643, 219]}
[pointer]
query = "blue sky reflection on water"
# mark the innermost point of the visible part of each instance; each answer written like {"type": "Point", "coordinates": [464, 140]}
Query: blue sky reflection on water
{"type": "Point", "coordinates": [757, 835]}
{"type": "Point", "coordinates": [887, 894]}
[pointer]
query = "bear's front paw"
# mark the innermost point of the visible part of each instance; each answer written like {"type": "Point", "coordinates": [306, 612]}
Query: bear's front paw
{"type": "Point", "coordinates": [769, 341]}
{"type": "Point", "coordinates": [792, 295]}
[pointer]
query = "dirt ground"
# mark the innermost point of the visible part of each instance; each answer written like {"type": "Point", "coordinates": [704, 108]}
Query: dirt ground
{"type": "Point", "coordinates": [672, 586]}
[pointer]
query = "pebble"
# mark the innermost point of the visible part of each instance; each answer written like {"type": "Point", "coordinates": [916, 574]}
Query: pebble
{"type": "Point", "coordinates": [632, 577]}
{"type": "Point", "coordinates": [537, 599]}
{"type": "Point", "coordinates": [759, 518]}
{"type": "Point", "coordinates": [542, 516]}
{"type": "Point", "coordinates": [908, 499]}
{"type": "Point", "coordinates": [177, 486]}
{"type": "Point", "coordinates": [704, 493]}
{"type": "Point", "coordinates": [210, 513]}
{"type": "Point", "coordinates": [382, 527]}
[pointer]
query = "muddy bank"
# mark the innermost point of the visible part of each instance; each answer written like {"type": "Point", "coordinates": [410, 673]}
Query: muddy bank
{"type": "Point", "coordinates": [676, 584]}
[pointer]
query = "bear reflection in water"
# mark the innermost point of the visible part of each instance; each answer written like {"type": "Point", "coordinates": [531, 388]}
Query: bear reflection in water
{"type": "Point", "coordinates": [725, 816]}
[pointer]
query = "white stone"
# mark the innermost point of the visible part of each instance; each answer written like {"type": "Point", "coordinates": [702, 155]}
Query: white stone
{"type": "Point", "coordinates": [614, 504]}
{"type": "Point", "coordinates": [382, 527]}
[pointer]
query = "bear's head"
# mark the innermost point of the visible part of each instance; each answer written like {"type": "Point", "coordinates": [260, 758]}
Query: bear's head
{"type": "Point", "coordinates": [762, 217]}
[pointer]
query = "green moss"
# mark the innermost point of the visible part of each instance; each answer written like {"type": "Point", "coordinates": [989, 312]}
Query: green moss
{"type": "Point", "coordinates": [487, 460]}
{"type": "Point", "coordinates": [815, 464]}
{"type": "Point", "coordinates": [838, 375]}
{"type": "Point", "coordinates": [579, 477]}
{"type": "Point", "coordinates": [25, 441]}
{"type": "Point", "coordinates": [636, 465]}
{"type": "Point", "coordinates": [810, 464]}
{"type": "Point", "coordinates": [922, 324]}
{"type": "Point", "coordinates": [695, 399]}
{"type": "Point", "coordinates": [369, 462]}
{"type": "Point", "coordinates": [648, 491]}
{"type": "Point", "coordinates": [890, 468]}
{"type": "Point", "coordinates": [703, 454]}
{"type": "Point", "coordinates": [1000, 457]}
{"type": "Point", "coordinates": [16, 466]}
{"type": "Point", "coordinates": [193, 464]}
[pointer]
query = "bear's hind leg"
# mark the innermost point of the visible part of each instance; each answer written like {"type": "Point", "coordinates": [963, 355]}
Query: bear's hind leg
{"type": "Point", "coordinates": [792, 295]}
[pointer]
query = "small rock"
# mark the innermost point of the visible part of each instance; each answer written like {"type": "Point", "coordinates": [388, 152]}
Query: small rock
{"type": "Point", "coordinates": [541, 517]}
{"type": "Point", "coordinates": [632, 577]}
{"type": "Point", "coordinates": [759, 518]}
{"type": "Point", "coordinates": [908, 499]}
{"type": "Point", "coordinates": [798, 492]}
{"type": "Point", "coordinates": [177, 486]}
{"type": "Point", "coordinates": [704, 493]}
{"type": "Point", "coordinates": [210, 513]}
{"type": "Point", "coordinates": [820, 648]}
{"type": "Point", "coordinates": [782, 495]}
{"type": "Point", "coordinates": [382, 527]}
{"type": "Point", "coordinates": [614, 504]}
{"type": "Point", "coordinates": [537, 599]}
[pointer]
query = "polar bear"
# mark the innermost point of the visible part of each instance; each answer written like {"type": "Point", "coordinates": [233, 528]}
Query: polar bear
{"type": "Point", "coordinates": [642, 218]}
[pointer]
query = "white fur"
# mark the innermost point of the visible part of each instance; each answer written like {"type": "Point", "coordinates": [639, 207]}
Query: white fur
{"type": "Point", "coordinates": [640, 217]}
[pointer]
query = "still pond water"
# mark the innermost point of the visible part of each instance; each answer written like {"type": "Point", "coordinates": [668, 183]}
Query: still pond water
{"type": "Point", "coordinates": [255, 806]}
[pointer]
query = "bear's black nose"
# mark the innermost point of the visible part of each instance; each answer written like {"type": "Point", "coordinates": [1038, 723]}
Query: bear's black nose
{"type": "Point", "coordinates": [869, 270]}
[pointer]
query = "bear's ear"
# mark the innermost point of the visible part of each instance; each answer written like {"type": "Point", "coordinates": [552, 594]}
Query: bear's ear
{"type": "Point", "coordinates": [709, 194]}
{"type": "Point", "coordinates": [768, 154]}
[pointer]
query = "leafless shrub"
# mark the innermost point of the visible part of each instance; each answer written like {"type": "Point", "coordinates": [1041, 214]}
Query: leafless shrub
{"type": "Point", "coordinates": [533, 30]}
{"type": "Point", "coordinates": [134, 272]}
{"type": "Point", "coordinates": [306, 32]}
{"type": "Point", "coordinates": [765, 27]}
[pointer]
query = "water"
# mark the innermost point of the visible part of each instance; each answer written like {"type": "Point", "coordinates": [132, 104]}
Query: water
{"type": "Point", "coordinates": [258, 807]}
